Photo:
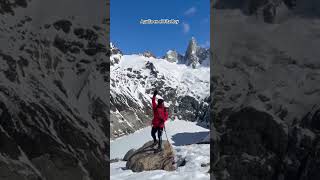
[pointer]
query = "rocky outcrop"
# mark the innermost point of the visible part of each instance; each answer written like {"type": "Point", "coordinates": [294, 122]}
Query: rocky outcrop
{"type": "Point", "coordinates": [115, 54]}
{"type": "Point", "coordinates": [173, 56]}
{"type": "Point", "coordinates": [148, 54]}
{"type": "Point", "coordinates": [147, 158]}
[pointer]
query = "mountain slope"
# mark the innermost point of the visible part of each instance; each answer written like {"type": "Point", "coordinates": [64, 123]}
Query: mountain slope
{"type": "Point", "coordinates": [53, 92]}
{"type": "Point", "coordinates": [135, 77]}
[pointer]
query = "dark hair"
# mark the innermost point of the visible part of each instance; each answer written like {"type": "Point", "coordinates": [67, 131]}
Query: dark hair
{"type": "Point", "coordinates": [160, 101]}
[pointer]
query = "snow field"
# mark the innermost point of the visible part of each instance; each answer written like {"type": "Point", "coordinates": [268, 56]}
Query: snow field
{"type": "Point", "coordinates": [179, 133]}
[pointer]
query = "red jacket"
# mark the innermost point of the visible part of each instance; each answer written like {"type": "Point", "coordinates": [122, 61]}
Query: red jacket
{"type": "Point", "coordinates": [159, 114]}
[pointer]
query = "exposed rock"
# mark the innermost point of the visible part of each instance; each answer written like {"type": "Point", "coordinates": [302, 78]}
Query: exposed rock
{"type": "Point", "coordinates": [115, 54]}
{"type": "Point", "coordinates": [181, 161]}
{"type": "Point", "coordinates": [153, 70]}
{"type": "Point", "coordinates": [195, 54]}
{"type": "Point", "coordinates": [129, 154]}
{"type": "Point", "coordinates": [65, 25]}
{"type": "Point", "coordinates": [146, 159]}
{"type": "Point", "coordinates": [148, 54]}
{"type": "Point", "coordinates": [190, 57]}
{"type": "Point", "coordinates": [173, 56]}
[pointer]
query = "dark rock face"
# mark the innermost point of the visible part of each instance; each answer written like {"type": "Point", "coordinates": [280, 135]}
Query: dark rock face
{"type": "Point", "coordinates": [257, 146]}
{"type": "Point", "coordinates": [53, 119]}
{"type": "Point", "coordinates": [63, 24]}
{"type": "Point", "coordinates": [152, 68]}
{"type": "Point", "coordinates": [195, 54]}
{"type": "Point", "coordinates": [270, 10]}
{"type": "Point", "coordinates": [7, 6]}
{"type": "Point", "coordinates": [255, 132]}
{"type": "Point", "coordinates": [191, 109]}
{"type": "Point", "coordinates": [146, 159]}
{"type": "Point", "coordinates": [148, 54]}
{"type": "Point", "coordinates": [190, 56]}
{"type": "Point", "coordinates": [265, 106]}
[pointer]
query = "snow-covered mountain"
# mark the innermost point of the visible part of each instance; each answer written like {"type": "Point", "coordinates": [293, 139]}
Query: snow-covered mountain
{"type": "Point", "coordinates": [53, 90]}
{"type": "Point", "coordinates": [134, 78]}
{"type": "Point", "coordinates": [266, 94]}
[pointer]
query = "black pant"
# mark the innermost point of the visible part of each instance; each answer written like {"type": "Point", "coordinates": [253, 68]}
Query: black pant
{"type": "Point", "coordinates": [153, 134]}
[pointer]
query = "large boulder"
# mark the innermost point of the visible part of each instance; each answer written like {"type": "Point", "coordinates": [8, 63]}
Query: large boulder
{"type": "Point", "coordinates": [147, 158]}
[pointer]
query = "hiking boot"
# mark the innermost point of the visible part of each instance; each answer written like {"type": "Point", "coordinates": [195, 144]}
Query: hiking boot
{"type": "Point", "coordinates": [159, 149]}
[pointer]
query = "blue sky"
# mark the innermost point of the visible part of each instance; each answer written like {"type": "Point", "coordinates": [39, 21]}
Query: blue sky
{"type": "Point", "coordinates": [132, 37]}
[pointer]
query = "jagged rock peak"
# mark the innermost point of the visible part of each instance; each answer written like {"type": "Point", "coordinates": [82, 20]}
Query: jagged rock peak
{"type": "Point", "coordinates": [191, 57]}
{"type": "Point", "coordinates": [192, 47]}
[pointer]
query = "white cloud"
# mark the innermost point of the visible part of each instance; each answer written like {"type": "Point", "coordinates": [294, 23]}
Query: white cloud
{"type": "Point", "coordinates": [191, 11]}
{"type": "Point", "coordinates": [205, 20]}
{"type": "Point", "coordinates": [186, 27]}
{"type": "Point", "coordinates": [206, 44]}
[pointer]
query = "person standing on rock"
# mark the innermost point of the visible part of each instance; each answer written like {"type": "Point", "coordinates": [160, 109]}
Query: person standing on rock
{"type": "Point", "coordinates": [160, 115]}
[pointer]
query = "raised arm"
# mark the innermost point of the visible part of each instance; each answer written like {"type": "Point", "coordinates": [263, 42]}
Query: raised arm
{"type": "Point", "coordinates": [154, 104]}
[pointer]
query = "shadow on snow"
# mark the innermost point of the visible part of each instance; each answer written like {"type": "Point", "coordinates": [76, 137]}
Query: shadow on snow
{"type": "Point", "coordinates": [186, 138]}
